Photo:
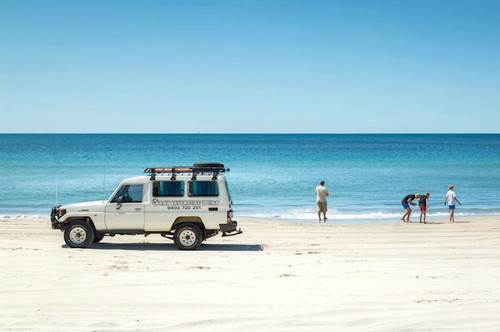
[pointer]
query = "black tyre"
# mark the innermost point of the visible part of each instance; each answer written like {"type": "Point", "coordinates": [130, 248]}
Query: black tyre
{"type": "Point", "coordinates": [78, 234]}
{"type": "Point", "coordinates": [188, 237]}
{"type": "Point", "coordinates": [97, 238]}
{"type": "Point", "coordinates": [208, 165]}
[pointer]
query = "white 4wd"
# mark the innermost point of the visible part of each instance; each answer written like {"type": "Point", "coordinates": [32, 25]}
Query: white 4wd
{"type": "Point", "coordinates": [185, 203]}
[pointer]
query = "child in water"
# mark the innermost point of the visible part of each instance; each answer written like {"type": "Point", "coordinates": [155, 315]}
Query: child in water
{"type": "Point", "coordinates": [423, 204]}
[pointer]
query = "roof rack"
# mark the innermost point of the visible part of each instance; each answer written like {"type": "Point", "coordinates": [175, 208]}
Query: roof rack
{"type": "Point", "coordinates": [197, 168]}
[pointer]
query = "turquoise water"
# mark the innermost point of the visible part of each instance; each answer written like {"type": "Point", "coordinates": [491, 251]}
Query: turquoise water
{"type": "Point", "coordinates": [271, 175]}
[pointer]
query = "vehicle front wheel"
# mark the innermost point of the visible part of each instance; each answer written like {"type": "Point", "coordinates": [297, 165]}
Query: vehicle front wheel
{"type": "Point", "coordinates": [188, 237]}
{"type": "Point", "coordinates": [78, 234]}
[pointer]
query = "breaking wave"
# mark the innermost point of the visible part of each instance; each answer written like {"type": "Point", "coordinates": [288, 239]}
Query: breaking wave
{"type": "Point", "coordinates": [368, 216]}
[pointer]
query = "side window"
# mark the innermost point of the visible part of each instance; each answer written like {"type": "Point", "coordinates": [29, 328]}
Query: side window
{"type": "Point", "coordinates": [131, 193]}
{"type": "Point", "coordinates": [203, 188]}
{"type": "Point", "coordinates": [168, 188]}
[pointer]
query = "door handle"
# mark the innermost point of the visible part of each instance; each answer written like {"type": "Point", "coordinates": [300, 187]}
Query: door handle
{"type": "Point", "coordinates": [138, 209]}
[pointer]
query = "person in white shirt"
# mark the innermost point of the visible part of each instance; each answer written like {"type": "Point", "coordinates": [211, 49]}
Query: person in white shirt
{"type": "Point", "coordinates": [450, 199]}
{"type": "Point", "coordinates": [321, 193]}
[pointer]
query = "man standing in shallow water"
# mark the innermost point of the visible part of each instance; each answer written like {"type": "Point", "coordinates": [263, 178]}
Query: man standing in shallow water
{"type": "Point", "coordinates": [321, 193]}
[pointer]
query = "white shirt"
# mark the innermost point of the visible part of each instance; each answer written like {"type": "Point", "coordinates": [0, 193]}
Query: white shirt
{"type": "Point", "coordinates": [321, 193]}
{"type": "Point", "coordinates": [450, 197]}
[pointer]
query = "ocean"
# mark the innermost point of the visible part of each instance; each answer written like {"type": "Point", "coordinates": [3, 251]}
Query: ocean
{"type": "Point", "coordinates": [272, 175]}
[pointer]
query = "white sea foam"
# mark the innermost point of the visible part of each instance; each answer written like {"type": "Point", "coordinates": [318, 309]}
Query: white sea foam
{"type": "Point", "coordinates": [378, 215]}
{"type": "Point", "coordinates": [21, 216]}
{"type": "Point", "coordinates": [308, 215]}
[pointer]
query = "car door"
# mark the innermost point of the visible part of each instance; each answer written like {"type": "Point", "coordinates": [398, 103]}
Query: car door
{"type": "Point", "coordinates": [166, 205]}
{"type": "Point", "coordinates": [126, 210]}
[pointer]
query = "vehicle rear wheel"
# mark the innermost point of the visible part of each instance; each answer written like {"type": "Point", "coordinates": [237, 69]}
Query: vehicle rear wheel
{"type": "Point", "coordinates": [188, 237]}
{"type": "Point", "coordinates": [97, 238]}
{"type": "Point", "coordinates": [78, 234]}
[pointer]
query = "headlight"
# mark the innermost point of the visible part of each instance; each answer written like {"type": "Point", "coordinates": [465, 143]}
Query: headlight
{"type": "Point", "coordinates": [61, 212]}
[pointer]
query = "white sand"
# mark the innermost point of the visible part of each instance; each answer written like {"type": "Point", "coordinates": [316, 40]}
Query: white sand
{"type": "Point", "coordinates": [276, 276]}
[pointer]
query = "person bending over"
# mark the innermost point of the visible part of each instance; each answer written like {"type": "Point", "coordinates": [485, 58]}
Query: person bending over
{"type": "Point", "coordinates": [406, 205]}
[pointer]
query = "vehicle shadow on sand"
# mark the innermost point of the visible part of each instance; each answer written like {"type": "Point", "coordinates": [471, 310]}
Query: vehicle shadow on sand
{"type": "Point", "coordinates": [171, 247]}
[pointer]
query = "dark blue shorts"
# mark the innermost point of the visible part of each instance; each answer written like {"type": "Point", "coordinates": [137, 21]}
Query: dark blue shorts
{"type": "Point", "coordinates": [452, 207]}
{"type": "Point", "coordinates": [405, 205]}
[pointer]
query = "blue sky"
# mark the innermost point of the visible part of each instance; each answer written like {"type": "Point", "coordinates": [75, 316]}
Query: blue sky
{"type": "Point", "coordinates": [249, 66]}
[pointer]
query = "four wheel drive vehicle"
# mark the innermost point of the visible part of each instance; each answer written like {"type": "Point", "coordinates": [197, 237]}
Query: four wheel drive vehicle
{"type": "Point", "coordinates": [187, 204]}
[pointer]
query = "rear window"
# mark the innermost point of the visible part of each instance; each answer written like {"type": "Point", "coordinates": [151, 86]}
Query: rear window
{"type": "Point", "coordinates": [168, 188]}
{"type": "Point", "coordinates": [203, 188]}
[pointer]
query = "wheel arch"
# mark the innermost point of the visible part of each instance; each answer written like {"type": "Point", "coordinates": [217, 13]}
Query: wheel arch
{"type": "Point", "coordinates": [87, 219]}
{"type": "Point", "coordinates": [192, 220]}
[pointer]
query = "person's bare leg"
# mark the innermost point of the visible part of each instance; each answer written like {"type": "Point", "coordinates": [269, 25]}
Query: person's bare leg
{"type": "Point", "coordinates": [404, 215]}
{"type": "Point", "coordinates": [452, 216]}
{"type": "Point", "coordinates": [324, 216]}
{"type": "Point", "coordinates": [425, 215]}
{"type": "Point", "coordinates": [421, 216]}
{"type": "Point", "coordinates": [409, 214]}
{"type": "Point", "coordinates": [319, 216]}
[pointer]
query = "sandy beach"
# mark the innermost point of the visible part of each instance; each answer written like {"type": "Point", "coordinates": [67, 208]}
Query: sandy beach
{"type": "Point", "coordinates": [276, 276]}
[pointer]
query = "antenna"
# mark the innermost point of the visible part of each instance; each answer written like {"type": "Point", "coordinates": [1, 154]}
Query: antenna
{"type": "Point", "coordinates": [57, 184]}
{"type": "Point", "coordinates": [103, 186]}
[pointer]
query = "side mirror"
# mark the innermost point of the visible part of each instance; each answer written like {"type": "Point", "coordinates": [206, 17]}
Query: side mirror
{"type": "Point", "coordinates": [119, 202]}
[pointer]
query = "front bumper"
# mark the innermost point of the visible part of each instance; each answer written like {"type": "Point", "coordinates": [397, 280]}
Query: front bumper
{"type": "Point", "coordinates": [54, 217]}
{"type": "Point", "coordinates": [230, 229]}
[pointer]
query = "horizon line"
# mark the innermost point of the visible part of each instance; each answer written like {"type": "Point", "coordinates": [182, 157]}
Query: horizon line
{"type": "Point", "coordinates": [250, 133]}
